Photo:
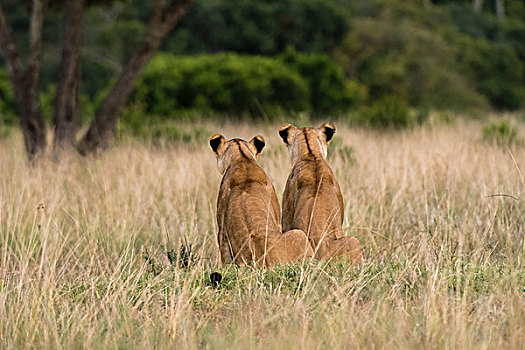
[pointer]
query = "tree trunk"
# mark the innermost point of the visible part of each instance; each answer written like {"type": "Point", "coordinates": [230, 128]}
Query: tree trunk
{"type": "Point", "coordinates": [500, 9]}
{"type": "Point", "coordinates": [478, 6]}
{"type": "Point", "coordinates": [66, 116]}
{"type": "Point", "coordinates": [25, 86]}
{"type": "Point", "coordinates": [104, 124]}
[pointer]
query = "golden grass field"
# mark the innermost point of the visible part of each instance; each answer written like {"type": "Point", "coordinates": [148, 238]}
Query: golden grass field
{"type": "Point", "coordinates": [444, 260]}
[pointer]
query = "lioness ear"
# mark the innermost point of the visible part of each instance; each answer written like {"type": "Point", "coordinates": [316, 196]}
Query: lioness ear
{"type": "Point", "coordinates": [328, 130]}
{"type": "Point", "coordinates": [257, 143]}
{"type": "Point", "coordinates": [217, 142]}
{"type": "Point", "coordinates": [285, 131]}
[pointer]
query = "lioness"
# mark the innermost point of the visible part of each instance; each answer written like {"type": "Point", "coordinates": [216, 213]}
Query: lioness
{"type": "Point", "coordinates": [312, 200]}
{"type": "Point", "coordinates": [248, 210]}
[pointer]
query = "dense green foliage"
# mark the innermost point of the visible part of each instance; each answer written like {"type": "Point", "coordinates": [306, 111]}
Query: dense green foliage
{"type": "Point", "coordinates": [409, 63]}
{"type": "Point", "coordinates": [323, 57]}
{"type": "Point", "coordinates": [243, 85]}
{"type": "Point", "coordinates": [329, 91]}
{"type": "Point", "coordinates": [225, 83]}
{"type": "Point", "coordinates": [260, 27]}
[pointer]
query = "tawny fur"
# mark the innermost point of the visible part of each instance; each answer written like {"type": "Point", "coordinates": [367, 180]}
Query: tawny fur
{"type": "Point", "coordinates": [248, 213]}
{"type": "Point", "coordinates": [312, 200]}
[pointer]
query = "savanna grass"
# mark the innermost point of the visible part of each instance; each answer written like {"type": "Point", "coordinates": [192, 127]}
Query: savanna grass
{"type": "Point", "coordinates": [106, 262]}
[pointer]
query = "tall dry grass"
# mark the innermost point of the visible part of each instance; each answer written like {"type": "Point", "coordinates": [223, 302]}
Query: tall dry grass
{"type": "Point", "coordinates": [444, 260]}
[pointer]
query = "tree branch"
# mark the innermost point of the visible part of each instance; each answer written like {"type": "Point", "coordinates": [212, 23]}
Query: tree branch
{"type": "Point", "coordinates": [104, 123]}
{"type": "Point", "coordinates": [158, 10]}
{"type": "Point", "coordinates": [175, 12]}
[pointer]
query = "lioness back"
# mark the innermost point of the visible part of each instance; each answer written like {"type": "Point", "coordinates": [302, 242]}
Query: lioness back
{"type": "Point", "coordinates": [312, 200]}
{"type": "Point", "coordinates": [305, 203]}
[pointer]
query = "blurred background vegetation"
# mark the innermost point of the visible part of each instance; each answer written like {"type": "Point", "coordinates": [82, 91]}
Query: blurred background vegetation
{"type": "Point", "coordinates": [381, 63]}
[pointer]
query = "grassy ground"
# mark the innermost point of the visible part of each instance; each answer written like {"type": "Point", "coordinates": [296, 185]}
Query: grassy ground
{"type": "Point", "coordinates": [444, 260]}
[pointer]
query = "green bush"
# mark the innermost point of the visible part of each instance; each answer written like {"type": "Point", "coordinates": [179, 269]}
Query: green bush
{"type": "Point", "coordinates": [329, 90]}
{"type": "Point", "coordinates": [245, 85]}
{"type": "Point", "coordinates": [503, 133]}
{"type": "Point", "coordinates": [224, 83]}
{"type": "Point", "coordinates": [390, 113]}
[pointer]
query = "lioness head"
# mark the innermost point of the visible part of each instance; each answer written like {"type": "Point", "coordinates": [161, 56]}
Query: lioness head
{"type": "Point", "coordinates": [305, 141]}
{"type": "Point", "coordinates": [235, 150]}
